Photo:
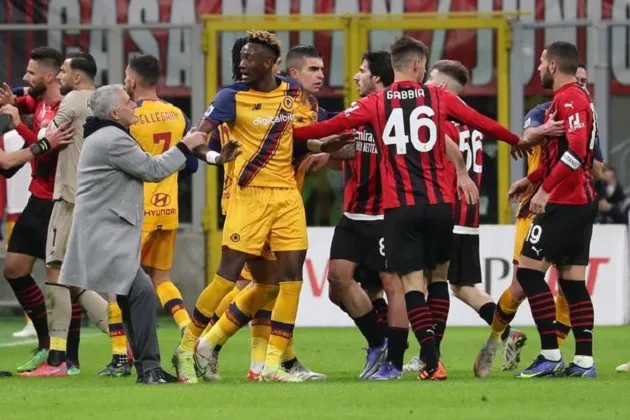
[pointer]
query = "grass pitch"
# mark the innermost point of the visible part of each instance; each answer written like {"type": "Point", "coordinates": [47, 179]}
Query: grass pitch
{"type": "Point", "coordinates": [336, 352]}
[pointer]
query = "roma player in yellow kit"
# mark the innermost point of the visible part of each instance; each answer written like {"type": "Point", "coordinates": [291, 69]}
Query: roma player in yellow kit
{"type": "Point", "coordinates": [159, 127]}
{"type": "Point", "coordinates": [308, 68]}
{"type": "Point", "coordinates": [266, 205]}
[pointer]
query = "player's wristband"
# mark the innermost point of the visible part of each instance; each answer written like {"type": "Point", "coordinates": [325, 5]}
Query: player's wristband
{"type": "Point", "coordinates": [212, 156]}
{"type": "Point", "coordinates": [40, 147]}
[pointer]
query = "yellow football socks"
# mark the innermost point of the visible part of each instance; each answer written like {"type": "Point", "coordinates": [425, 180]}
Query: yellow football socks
{"type": "Point", "coordinates": [171, 299]}
{"type": "Point", "coordinates": [116, 329]}
{"type": "Point", "coordinates": [207, 304]}
{"type": "Point", "coordinates": [225, 303]}
{"type": "Point", "coordinates": [503, 315]}
{"type": "Point", "coordinates": [58, 344]}
{"type": "Point", "coordinates": [238, 314]}
{"type": "Point", "coordinates": [283, 321]}
{"type": "Point", "coordinates": [260, 331]}
{"type": "Point", "coordinates": [563, 319]}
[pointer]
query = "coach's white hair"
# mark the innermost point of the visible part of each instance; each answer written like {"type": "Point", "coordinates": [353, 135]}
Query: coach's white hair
{"type": "Point", "coordinates": [104, 100]}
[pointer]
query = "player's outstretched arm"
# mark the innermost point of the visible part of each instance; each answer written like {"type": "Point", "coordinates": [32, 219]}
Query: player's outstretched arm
{"type": "Point", "coordinates": [456, 108]}
{"type": "Point", "coordinates": [358, 114]}
{"type": "Point", "coordinates": [331, 144]}
{"type": "Point", "coordinates": [55, 138]}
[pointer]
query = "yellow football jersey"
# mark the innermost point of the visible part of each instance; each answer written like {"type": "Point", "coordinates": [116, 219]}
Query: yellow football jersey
{"type": "Point", "coordinates": [534, 160]}
{"type": "Point", "coordinates": [306, 113]}
{"type": "Point", "coordinates": [221, 135]}
{"type": "Point", "coordinates": [263, 123]}
{"type": "Point", "coordinates": [159, 127]}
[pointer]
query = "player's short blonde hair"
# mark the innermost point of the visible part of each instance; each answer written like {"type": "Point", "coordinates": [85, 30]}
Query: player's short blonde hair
{"type": "Point", "coordinates": [266, 38]}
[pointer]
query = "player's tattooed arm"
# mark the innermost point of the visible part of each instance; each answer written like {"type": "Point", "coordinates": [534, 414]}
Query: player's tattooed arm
{"type": "Point", "coordinates": [331, 144]}
{"type": "Point", "coordinates": [551, 128]}
{"type": "Point", "coordinates": [347, 152]}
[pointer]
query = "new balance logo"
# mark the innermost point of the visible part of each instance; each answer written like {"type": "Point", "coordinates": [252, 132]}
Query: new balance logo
{"type": "Point", "coordinates": [257, 107]}
{"type": "Point", "coordinates": [537, 251]}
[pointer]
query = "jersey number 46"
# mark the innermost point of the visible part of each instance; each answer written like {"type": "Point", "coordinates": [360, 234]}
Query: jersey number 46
{"type": "Point", "coordinates": [395, 132]}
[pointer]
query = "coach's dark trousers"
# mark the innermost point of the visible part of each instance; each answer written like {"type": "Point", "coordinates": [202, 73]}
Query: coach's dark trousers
{"type": "Point", "coordinates": [139, 311]}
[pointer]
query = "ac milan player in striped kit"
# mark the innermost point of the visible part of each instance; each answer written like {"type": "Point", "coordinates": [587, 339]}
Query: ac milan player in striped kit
{"type": "Point", "coordinates": [464, 270]}
{"type": "Point", "coordinates": [565, 206]}
{"type": "Point", "coordinates": [359, 236]}
{"type": "Point", "coordinates": [408, 119]}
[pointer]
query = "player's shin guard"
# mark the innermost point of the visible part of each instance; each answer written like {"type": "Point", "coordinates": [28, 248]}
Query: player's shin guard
{"type": "Point", "coordinates": [224, 304]}
{"type": "Point", "coordinates": [60, 316]}
{"type": "Point", "coordinates": [260, 332]}
{"type": "Point", "coordinates": [74, 333]}
{"type": "Point", "coordinates": [422, 325]}
{"type": "Point", "coordinates": [116, 330]}
{"type": "Point", "coordinates": [543, 309]}
{"type": "Point", "coordinates": [380, 306]}
{"type": "Point", "coordinates": [504, 313]}
{"type": "Point", "coordinates": [439, 302]}
{"type": "Point", "coordinates": [283, 321]}
{"type": "Point", "coordinates": [240, 312]}
{"type": "Point", "coordinates": [171, 299]}
{"type": "Point", "coordinates": [95, 308]}
{"type": "Point", "coordinates": [396, 345]}
{"type": "Point", "coordinates": [206, 305]}
{"type": "Point", "coordinates": [563, 319]}
{"type": "Point", "coordinates": [33, 302]}
{"type": "Point", "coordinates": [582, 316]}
{"type": "Point", "coordinates": [370, 328]}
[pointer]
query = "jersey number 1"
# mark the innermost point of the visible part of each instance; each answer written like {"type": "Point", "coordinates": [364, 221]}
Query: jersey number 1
{"type": "Point", "coordinates": [162, 137]}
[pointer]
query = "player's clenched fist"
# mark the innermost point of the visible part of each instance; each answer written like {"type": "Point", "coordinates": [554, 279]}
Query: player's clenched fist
{"type": "Point", "coordinates": [194, 139]}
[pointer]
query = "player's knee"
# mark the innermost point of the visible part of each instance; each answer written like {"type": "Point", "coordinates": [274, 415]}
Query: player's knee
{"type": "Point", "coordinates": [340, 275]}
{"type": "Point", "coordinates": [391, 285]}
{"type": "Point", "coordinates": [517, 291]}
{"type": "Point", "coordinates": [457, 290]}
{"type": "Point", "coordinates": [13, 270]}
{"type": "Point", "coordinates": [231, 265]}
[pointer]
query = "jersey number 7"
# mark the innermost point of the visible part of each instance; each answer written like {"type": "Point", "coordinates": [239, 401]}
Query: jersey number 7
{"type": "Point", "coordinates": [162, 137]}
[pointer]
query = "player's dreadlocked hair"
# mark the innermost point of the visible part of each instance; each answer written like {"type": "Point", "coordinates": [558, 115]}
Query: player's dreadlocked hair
{"type": "Point", "coordinates": [267, 39]}
{"type": "Point", "coordinates": [236, 57]}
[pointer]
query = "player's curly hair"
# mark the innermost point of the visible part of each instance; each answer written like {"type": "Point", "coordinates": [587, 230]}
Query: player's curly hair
{"type": "Point", "coordinates": [236, 57]}
{"type": "Point", "coordinates": [268, 39]}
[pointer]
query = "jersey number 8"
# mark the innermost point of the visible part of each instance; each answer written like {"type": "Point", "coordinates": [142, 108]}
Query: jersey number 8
{"type": "Point", "coordinates": [394, 132]}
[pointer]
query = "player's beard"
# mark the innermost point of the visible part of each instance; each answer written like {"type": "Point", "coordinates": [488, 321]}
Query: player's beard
{"type": "Point", "coordinates": [65, 89]}
{"type": "Point", "coordinates": [547, 80]}
{"type": "Point", "coordinates": [37, 91]}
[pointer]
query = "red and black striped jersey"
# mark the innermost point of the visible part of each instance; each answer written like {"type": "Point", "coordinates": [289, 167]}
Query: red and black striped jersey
{"type": "Point", "coordinates": [363, 188]}
{"type": "Point", "coordinates": [407, 118]}
{"type": "Point", "coordinates": [568, 160]}
{"type": "Point", "coordinates": [470, 144]}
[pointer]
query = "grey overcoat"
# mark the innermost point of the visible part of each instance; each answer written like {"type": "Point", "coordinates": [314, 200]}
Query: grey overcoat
{"type": "Point", "coordinates": [104, 247]}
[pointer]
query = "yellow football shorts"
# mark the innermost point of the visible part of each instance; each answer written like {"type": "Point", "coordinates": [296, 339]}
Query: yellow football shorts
{"type": "Point", "coordinates": [258, 215]}
{"type": "Point", "coordinates": [246, 274]}
{"type": "Point", "coordinates": [158, 248]}
{"type": "Point", "coordinates": [522, 227]}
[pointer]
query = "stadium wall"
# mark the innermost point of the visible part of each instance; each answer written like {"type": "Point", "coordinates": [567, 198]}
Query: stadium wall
{"type": "Point", "coordinates": [607, 278]}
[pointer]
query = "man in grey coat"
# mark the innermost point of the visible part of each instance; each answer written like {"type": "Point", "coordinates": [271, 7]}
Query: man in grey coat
{"type": "Point", "coordinates": [103, 252]}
